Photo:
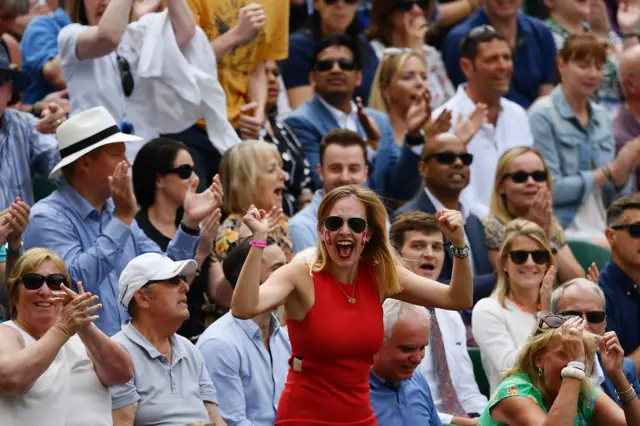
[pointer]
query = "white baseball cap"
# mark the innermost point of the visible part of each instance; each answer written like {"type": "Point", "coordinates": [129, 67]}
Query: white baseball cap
{"type": "Point", "coordinates": [150, 267]}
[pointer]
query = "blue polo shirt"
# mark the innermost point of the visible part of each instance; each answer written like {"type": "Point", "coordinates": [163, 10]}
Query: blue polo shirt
{"type": "Point", "coordinates": [409, 404]}
{"type": "Point", "coordinates": [534, 61]}
{"type": "Point", "coordinates": [39, 44]}
{"type": "Point", "coordinates": [622, 297]}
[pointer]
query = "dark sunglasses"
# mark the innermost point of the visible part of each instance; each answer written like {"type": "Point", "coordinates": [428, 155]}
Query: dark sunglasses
{"type": "Point", "coordinates": [632, 228]}
{"type": "Point", "coordinates": [594, 317]}
{"type": "Point", "coordinates": [332, 2]}
{"type": "Point", "coordinates": [172, 281]}
{"type": "Point", "coordinates": [327, 64]}
{"type": "Point", "coordinates": [406, 5]}
{"type": "Point", "coordinates": [552, 321]}
{"type": "Point", "coordinates": [519, 257]}
{"type": "Point", "coordinates": [33, 281]}
{"type": "Point", "coordinates": [522, 177]}
{"type": "Point", "coordinates": [183, 171]}
{"type": "Point", "coordinates": [449, 158]}
{"type": "Point", "coordinates": [125, 75]}
{"type": "Point", "coordinates": [356, 224]}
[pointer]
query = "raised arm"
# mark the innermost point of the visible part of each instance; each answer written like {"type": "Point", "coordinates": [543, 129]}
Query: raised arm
{"type": "Point", "coordinates": [458, 294]}
{"type": "Point", "coordinates": [249, 297]}
{"type": "Point", "coordinates": [251, 20]}
{"type": "Point", "coordinates": [184, 26]}
{"type": "Point", "coordinates": [102, 39]}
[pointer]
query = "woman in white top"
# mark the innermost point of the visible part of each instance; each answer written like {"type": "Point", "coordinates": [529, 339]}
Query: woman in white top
{"type": "Point", "coordinates": [55, 364]}
{"type": "Point", "coordinates": [502, 323]}
{"type": "Point", "coordinates": [100, 58]}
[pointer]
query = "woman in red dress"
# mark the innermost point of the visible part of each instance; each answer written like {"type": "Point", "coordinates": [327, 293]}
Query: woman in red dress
{"type": "Point", "coordinates": [334, 303]}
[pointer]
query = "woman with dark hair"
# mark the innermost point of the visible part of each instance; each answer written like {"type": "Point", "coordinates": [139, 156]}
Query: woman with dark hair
{"type": "Point", "coordinates": [162, 173]}
{"type": "Point", "coordinates": [330, 17]}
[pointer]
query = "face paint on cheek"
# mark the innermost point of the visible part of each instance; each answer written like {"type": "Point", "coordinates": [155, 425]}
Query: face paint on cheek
{"type": "Point", "coordinates": [364, 237]}
{"type": "Point", "coordinates": [327, 238]}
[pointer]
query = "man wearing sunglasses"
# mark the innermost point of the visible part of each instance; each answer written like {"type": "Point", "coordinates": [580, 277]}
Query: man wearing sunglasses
{"type": "Point", "coordinates": [445, 170]}
{"type": "Point", "coordinates": [620, 279]}
{"type": "Point", "coordinates": [530, 40]}
{"type": "Point", "coordinates": [581, 297]}
{"type": "Point", "coordinates": [336, 74]}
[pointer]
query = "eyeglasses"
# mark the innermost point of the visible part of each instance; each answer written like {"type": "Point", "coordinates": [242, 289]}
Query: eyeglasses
{"type": "Point", "coordinates": [552, 321]}
{"type": "Point", "coordinates": [449, 158]}
{"type": "Point", "coordinates": [332, 2]}
{"type": "Point", "coordinates": [356, 224]}
{"type": "Point", "coordinates": [522, 177]}
{"type": "Point", "coordinates": [327, 64]}
{"type": "Point", "coordinates": [183, 171]}
{"type": "Point", "coordinates": [125, 75]}
{"type": "Point", "coordinates": [594, 317]}
{"type": "Point", "coordinates": [632, 228]}
{"type": "Point", "coordinates": [519, 257]}
{"type": "Point", "coordinates": [406, 5]}
{"type": "Point", "coordinates": [33, 281]}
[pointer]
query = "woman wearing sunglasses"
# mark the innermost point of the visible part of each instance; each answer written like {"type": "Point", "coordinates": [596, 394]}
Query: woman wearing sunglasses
{"type": "Point", "coordinates": [523, 189]}
{"type": "Point", "coordinates": [575, 138]}
{"type": "Point", "coordinates": [549, 383]}
{"type": "Point", "coordinates": [333, 303]}
{"type": "Point", "coordinates": [55, 364]}
{"type": "Point", "coordinates": [526, 272]}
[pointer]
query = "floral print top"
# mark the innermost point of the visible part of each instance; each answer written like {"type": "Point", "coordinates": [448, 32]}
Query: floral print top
{"type": "Point", "coordinates": [229, 233]}
{"type": "Point", "coordinates": [494, 234]}
{"type": "Point", "coordinates": [520, 385]}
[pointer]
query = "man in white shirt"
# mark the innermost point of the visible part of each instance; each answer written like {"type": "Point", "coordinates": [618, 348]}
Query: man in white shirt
{"type": "Point", "coordinates": [488, 66]}
{"type": "Point", "coordinates": [446, 365]}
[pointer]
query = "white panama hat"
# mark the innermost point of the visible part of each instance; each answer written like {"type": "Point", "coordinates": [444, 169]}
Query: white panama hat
{"type": "Point", "coordinates": [85, 132]}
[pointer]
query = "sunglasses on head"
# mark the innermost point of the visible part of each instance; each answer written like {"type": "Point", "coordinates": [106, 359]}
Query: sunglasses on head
{"type": "Point", "coordinates": [356, 224]}
{"type": "Point", "coordinates": [332, 2]}
{"type": "Point", "coordinates": [125, 75]}
{"type": "Point", "coordinates": [632, 228]}
{"type": "Point", "coordinates": [594, 317]}
{"type": "Point", "coordinates": [552, 321]}
{"type": "Point", "coordinates": [519, 257]}
{"type": "Point", "coordinates": [449, 158]}
{"type": "Point", "coordinates": [393, 51]}
{"type": "Point", "coordinates": [327, 64]}
{"type": "Point", "coordinates": [33, 281]}
{"type": "Point", "coordinates": [407, 5]}
{"type": "Point", "coordinates": [183, 171]}
{"type": "Point", "coordinates": [479, 34]}
{"type": "Point", "coordinates": [522, 177]}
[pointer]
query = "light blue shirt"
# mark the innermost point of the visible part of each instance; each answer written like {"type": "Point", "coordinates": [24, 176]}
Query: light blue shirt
{"type": "Point", "coordinates": [95, 246]}
{"type": "Point", "coordinates": [23, 152]}
{"type": "Point", "coordinates": [303, 226]}
{"type": "Point", "coordinates": [409, 405]}
{"type": "Point", "coordinates": [249, 378]}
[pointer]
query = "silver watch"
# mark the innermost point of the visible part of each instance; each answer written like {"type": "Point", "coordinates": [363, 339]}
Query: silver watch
{"type": "Point", "coordinates": [460, 252]}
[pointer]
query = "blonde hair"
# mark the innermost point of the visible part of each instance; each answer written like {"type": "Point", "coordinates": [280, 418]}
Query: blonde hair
{"type": "Point", "coordinates": [537, 344]}
{"type": "Point", "coordinates": [387, 72]}
{"type": "Point", "coordinates": [517, 228]}
{"type": "Point", "coordinates": [498, 204]}
{"type": "Point", "coordinates": [378, 251]}
{"type": "Point", "coordinates": [29, 262]}
{"type": "Point", "coordinates": [239, 170]}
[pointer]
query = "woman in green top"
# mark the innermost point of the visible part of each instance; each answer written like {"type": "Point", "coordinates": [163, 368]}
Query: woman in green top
{"type": "Point", "coordinates": [543, 390]}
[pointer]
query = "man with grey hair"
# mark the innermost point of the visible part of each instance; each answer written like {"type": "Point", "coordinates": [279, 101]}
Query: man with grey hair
{"type": "Point", "coordinates": [399, 394]}
{"type": "Point", "coordinates": [581, 297]}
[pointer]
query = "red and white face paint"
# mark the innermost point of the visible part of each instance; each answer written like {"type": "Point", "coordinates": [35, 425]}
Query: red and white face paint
{"type": "Point", "coordinates": [327, 237]}
{"type": "Point", "coordinates": [364, 238]}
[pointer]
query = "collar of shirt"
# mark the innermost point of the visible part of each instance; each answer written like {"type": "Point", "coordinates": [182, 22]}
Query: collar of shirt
{"type": "Point", "coordinates": [341, 118]}
{"type": "Point", "coordinates": [620, 278]}
{"type": "Point", "coordinates": [79, 203]}
{"type": "Point", "coordinates": [564, 109]}
{"type": "Point", "coordinates": [252, 330]}
{"type": "Point", "coordinates": [466, 105]}
{"type": "Point", "coordinates": [376, 382]}
{"type": "Point", "coordinates": [439, 206]}
{"type": "Point", "coordinates": [136, 337]}
{"type": "Point", "coordinates": [597, 377]}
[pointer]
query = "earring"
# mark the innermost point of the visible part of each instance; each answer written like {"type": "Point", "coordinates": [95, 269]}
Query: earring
{"type": "Point", "coordinates": [540, 371]}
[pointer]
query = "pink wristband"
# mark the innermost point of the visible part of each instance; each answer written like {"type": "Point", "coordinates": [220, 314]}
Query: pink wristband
{"type": "Point", "coordinates": [256, 243]}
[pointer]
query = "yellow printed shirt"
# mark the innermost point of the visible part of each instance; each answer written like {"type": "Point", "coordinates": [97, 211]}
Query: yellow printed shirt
{"type": "Point", "coordinates": [216, 17]}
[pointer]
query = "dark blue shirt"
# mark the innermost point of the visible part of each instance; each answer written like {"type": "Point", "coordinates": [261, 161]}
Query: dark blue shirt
{"type": "Point", "coordinates": [622, 298]}
{"type": "Point", "coordinates": [534, 61]}
{"type": "Point", "coordinates": [39, 44]}
{"type": "Point", "coordinates": [410, 404]}
{"type": "Point", "coordinates": [302, 46]}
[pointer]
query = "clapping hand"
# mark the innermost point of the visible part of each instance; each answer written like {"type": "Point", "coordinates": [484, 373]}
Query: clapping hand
{"type": "Point", "coordinates": [452, 226]}
{"type": "Point", "coordinates": [5, 226]}
{"type": "Point", "coordinates": [546, 289]}
{"type": "Point", "coordinates": [571, 335]}
{"type": "Point", "coordinates": [369, 125]}
{"type": "Point", "coordinates": [593, 274]}
{"type": "Point", "coordinates": [257, 222]}
{"type": "Point", "coordinates": [198, 206]}
{"type": "Point", "coordinates": [122, 193]}
{"type": "Point", "coordinates": [541, 211]}
{"type": "Point", "coordinates": [275, 216]}
{"type": "Point", "coordinates": [77, 312]}
{"type": "Point", "coordinates": [629, 15]}
{"type": "Point", "coordinates": [209, 230]}
{"type": "Point", "coordinates": [611, 354]}
{"type": "Point", "coordinates": [17, 216]}
{"type": "Point", "coordinates": [52, 115]}
{"type": "Point", "coordinates": [440, 125]}
{"type": "Point", "coordinates": [251, 20]}
{"type": "Point", "coordinates": [467, 129]}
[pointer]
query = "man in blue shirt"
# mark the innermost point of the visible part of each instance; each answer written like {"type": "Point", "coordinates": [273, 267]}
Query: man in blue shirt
{"type": "Point", "coordinates": [619, 279]}
{"type": "Point", "coordinates": [400, 396]}
{"type": "Point", "coordinates": [534, 51]}
{"type": "Point", "coordinates": [248, 359]}
{"type": "Point", "coordinates": [90, 219]}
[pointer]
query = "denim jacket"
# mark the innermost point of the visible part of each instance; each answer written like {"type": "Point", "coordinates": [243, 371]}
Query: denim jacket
{"type": "Point", "coordinates": [572, 153]}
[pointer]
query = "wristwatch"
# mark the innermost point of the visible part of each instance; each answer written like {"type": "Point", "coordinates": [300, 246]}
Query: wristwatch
{"type": "Point", "coordinates": [460, 252]}
{"type": "Point", "coordinates": [414, 139]}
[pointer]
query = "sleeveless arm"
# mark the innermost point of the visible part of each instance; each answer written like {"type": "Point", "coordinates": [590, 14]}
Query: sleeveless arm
{"type": "Point", "coordinates": [426, 292]}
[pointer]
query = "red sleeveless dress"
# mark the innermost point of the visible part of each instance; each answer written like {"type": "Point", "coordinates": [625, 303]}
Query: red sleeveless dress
{"type": "Point", "coordinates": [336, 342]}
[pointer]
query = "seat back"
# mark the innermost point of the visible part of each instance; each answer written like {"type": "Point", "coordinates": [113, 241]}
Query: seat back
{"type": "Point", "coordinates": [587, 253]}
{"type": "Point", "coordinates": [478, 371]}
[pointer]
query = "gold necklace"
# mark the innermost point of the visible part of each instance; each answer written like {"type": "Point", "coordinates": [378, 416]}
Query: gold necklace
{"type": "Point", "coordinates": [351, 299]}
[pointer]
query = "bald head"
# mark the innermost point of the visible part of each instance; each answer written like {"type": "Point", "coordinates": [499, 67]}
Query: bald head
{"type": "Point", "coordinates": [443, 142]}
{"type": "Point", "coordinates": [630, 72]}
